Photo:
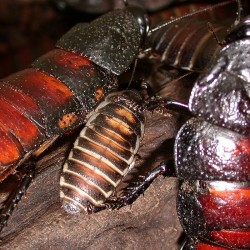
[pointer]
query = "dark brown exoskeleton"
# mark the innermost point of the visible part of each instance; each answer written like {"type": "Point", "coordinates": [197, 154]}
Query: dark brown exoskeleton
{"type": "Point", "coordinates": [212, 153]}
{"type": "Point", "coordinates": [54, 95]}
{"type": "Point", "coordinates": [187, 41]}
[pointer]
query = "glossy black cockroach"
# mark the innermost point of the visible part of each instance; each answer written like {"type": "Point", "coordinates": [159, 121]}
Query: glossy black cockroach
{"type": "Point", "coordinates": [212, 153]}
{"type": "Point", "coordinates": [54, 96]}
{"type": "Point", "coordinates": [218, 143]}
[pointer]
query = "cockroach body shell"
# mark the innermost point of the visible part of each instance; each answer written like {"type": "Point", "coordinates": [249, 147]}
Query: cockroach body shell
{"type": "Point", "coordinates": [212, 153]}
{"type": "Point", "coordinates": [104, 152]}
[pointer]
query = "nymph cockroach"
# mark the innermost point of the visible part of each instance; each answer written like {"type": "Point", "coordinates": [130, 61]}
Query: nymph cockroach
{"type": "Point", "coordinates": [56, 93]}
{"type": "Point", "coordinates": [212, 153]}
{"type": "Point", "coordinates": [104, 152]}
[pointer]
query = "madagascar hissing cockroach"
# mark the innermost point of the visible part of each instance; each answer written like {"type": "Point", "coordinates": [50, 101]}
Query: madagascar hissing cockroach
{"type": "Point", "coordinates": [54, 95]}
{"type": "Point", "coordinates": [214, 201]}
{"type": "Point", "coordinates": [187, 41]}
{"type": "Point", "coordinates": [212, 153]}
{"type": "Point", "coordinates": [103, 153]}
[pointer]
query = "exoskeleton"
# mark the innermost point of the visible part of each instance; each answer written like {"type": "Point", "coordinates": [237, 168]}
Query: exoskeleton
{"type": "Point", "coordinates": [104, 152]}
{"type": "Point", "coordinates": [186, 41]}
{"type": "Point", "coordinates": [214, 201]}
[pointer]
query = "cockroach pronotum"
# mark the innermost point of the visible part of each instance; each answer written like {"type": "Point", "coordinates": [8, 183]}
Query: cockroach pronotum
{"type": "Point", "coordinates": [212, 153]}
{"type": "Point", "coordinates": [56, 93]}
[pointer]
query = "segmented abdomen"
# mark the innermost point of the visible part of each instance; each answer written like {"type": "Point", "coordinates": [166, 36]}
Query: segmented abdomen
{"type": "Point", "coordinates": [103, 153]}
{"type": "Point", "coordinates": [42, 102]}
{"type": "Point", "coordinates": [189, 44]}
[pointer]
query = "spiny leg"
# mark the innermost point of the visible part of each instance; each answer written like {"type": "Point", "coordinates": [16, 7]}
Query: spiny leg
{"type": "Point", "coordinates": [132, 192]}
{"type": "Point", "coordinates": [27, 174]}
{"type": "Point", "coordinates": [94, 209]}
{"type": "Point", "coordinates": [167, 103]}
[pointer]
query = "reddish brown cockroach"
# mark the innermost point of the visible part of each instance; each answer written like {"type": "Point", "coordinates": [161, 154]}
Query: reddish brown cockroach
{"type": "Point", "coordinates": [57, 92]}
{"type": "Point", "coordinates": [63, 86]}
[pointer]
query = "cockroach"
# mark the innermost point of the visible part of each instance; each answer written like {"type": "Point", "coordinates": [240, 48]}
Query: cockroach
{"type": "Point", "coordinates": [187, 41]}
{"type": "Point", "coordinates": [218, 142]}
{"type": "Point", "coordinates": [103, 153]}
{"type": "Point", "coordinates": [212, 153]}
{"type": "Point", "coordinates": [57, 92]}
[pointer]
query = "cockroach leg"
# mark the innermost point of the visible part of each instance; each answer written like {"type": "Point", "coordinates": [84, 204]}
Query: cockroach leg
{"type": "Point", "coordinates": [135, 189]}
{"type": "Point", "coordinates": [27, 174]}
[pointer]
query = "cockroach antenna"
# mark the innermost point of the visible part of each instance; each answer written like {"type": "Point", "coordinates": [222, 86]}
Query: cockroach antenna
{"type": "Point", "coordinates": [238, 18]}
{"type": "Point", "coordinates": [197, 12]}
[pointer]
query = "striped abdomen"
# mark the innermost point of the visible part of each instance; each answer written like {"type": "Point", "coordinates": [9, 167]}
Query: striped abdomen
{"type": "Point", "coordinates": [103, 153]}
{"type": "Point", "coordinates": [188, 44]}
